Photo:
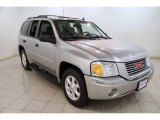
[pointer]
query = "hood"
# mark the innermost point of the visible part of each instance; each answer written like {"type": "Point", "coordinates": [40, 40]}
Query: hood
{"type": "Point", "coordinates": [110, 49]}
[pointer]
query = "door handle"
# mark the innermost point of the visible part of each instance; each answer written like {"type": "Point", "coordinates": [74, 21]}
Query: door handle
{"type": "Point", "coordinates": [36, 45]}
{"type": "Point", "coordinates": [24, 41]}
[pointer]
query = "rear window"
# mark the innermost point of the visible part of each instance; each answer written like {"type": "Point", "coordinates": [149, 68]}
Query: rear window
{"type": "Point", "coordinates": [24, 28]}
{"type": "Point", "coordinates": [33, 28]}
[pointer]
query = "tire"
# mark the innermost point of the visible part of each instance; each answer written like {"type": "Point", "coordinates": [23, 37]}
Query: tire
{"type": "Point", "coordinates": [24, 60]}
{"type": "Point", "coordinates": [74, 87]}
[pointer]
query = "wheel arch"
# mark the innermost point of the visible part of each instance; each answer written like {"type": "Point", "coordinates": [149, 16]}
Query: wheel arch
{"type": "Point", "coordinates": [20, 48]}
{"type": "Point", "coordinates": [64, 66]}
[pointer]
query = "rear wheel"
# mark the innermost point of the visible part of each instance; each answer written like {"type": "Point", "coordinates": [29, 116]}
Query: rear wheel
{"type": "Point", "coordinates": [74, 87]}
{"type": "Point", "coordinates": [24, 60]}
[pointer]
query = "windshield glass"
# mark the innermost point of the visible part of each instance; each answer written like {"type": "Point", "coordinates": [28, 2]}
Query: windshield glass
{"type": "Point", "coordinates": [73, 30]}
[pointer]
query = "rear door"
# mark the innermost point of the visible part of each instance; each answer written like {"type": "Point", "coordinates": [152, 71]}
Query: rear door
{"type": "Point", "coordinates": [32, 40]}
{"type": "Point", "coordinates": [45, 51]}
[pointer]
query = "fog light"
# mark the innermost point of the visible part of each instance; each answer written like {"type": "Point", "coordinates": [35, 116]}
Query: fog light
{"type": "Point", "coordinates": [113, 92]}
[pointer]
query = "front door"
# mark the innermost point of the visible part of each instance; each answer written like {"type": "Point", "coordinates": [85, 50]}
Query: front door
{"type": "Point", "coordinates": [45, 51]}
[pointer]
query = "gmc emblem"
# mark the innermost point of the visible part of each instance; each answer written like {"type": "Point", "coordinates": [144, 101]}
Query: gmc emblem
{"type": "Point", "coordinates": [138, 65]}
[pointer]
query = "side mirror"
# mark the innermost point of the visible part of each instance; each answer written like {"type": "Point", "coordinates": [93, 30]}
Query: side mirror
{"type": "Point", "coordinates": [47, 38]}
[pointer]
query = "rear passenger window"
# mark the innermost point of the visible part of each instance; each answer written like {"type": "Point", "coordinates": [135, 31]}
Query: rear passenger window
{"type": "Point", "coordinates": [24, 28]}
{"type": "Point", "coordinates": [33, 28]}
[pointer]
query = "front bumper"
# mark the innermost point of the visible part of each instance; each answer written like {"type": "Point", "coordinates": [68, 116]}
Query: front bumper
{"type": "Point", "coordinates": [102, 88]}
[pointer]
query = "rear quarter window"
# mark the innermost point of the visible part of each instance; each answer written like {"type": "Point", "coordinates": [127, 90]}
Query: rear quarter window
{"type": "Point", "coordinates": [24, 28]}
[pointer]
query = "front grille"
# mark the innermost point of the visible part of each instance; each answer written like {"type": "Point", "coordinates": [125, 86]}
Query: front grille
{"type": "Point", "coordinates": [136, 66]}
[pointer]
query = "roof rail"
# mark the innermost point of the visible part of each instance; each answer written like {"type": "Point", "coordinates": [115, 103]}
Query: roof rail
{"type": "Point", "coordinates": [46, 16]}
{"type": "Point", "coordinates": [31, 17]}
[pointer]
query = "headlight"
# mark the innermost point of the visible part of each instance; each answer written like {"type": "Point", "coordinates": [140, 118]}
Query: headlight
{"type": "Point", "coordinates": [148, 61]}
{"type": "Point", "coordinates": [103, 69]}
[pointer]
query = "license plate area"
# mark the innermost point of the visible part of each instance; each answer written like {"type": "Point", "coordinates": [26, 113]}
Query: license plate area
{"type": "Point", "coordinates": [142, 84]}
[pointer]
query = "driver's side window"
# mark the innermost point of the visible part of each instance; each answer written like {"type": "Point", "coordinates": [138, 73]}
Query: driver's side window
{"type": "Point", "coordinates": [45, 29]}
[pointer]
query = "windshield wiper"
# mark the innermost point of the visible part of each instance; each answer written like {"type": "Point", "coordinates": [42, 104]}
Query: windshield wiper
{"type": "Point", "coordinates": [82, 37]}
{"type": "Point", "coordinates": [99, 37]}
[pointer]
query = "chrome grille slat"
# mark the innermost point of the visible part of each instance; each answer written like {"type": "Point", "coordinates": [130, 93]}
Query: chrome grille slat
{"type": "Point", "coordinates": [132, 69]}
{"type": "Point", "coordinates": [138, 70]}
{"type": "Point", "coordinates": [130, 66]}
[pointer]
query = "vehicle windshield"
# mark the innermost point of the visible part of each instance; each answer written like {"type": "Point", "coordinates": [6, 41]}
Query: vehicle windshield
{"type": "Point", "coordinates": [74, 30]}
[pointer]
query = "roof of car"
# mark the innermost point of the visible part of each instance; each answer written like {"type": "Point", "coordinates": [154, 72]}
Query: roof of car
{"type": "Point", "coordinates": [54, 17]}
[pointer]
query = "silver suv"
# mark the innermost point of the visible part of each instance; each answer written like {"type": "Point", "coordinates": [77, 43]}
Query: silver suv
{"type": "Point", "coordinates": [88, 63]}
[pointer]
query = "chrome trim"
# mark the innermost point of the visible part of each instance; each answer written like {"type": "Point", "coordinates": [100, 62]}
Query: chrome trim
{"type": "Point", "coordinates": [130, 66]}
{"type": "Point", "coordinates": [124, 73]}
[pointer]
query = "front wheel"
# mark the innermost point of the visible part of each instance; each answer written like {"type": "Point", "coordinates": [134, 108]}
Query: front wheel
{"type": "Point", "coordinates": [74, 87]}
